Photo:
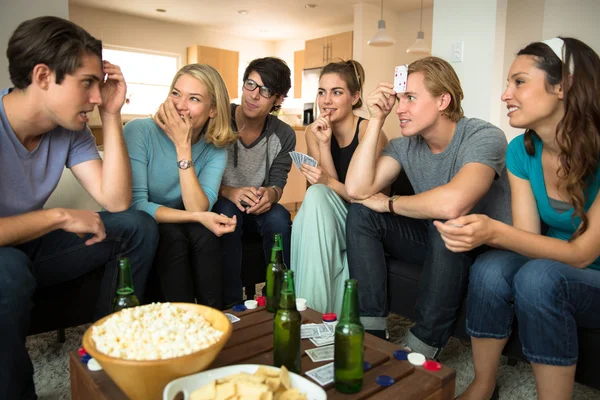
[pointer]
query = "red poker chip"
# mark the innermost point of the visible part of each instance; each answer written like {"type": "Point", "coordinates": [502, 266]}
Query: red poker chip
{"type": "Point", "coordinates": [432, 365]}
{"type": "Point", "coordinates": [81, 351]}
{"type": "Point", "coordinates": [262, 301]}
{"type": "Point", "coordinates": [329, 317]}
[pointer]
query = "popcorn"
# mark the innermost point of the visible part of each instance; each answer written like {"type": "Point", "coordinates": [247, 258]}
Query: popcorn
{"type": "Point", "coordinates": [154, 332]}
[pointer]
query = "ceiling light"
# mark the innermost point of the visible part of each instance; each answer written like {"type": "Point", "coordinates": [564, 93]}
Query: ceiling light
{"type": "Point", "coordinates": [243, 12]}
{"type": "Point", "coordinates": [381, 37]}
{"type": "Point", "coordinates": [310, 5]}
{"type": "Point", "coordinates": [161, 10]}
{"type": "Point", "coordinates": [419, 46]}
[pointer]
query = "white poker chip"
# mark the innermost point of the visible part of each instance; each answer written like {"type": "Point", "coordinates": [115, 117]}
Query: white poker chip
{"type": "Point", "coordinates": [416, 359]}
{"type": "Point", "coordinates": [93, 365]}
{"type": "Point", "coordinates": [251, 304]}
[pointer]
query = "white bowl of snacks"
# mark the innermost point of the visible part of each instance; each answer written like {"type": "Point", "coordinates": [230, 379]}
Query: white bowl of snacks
{"type": "Point", "coordinates": [244, 381]}
{"type": "Point", "coordinates": [144, 348]}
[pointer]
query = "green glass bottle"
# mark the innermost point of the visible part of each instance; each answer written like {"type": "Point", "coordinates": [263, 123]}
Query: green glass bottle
{"type": "Point", "coordinates": [125, 295]}
{"type": "Point", "coordinates": [286, 328]}
{"type": "Point", "coordinates": [274, 274]}
{"type": "Point", "coordinates": [349, 343]}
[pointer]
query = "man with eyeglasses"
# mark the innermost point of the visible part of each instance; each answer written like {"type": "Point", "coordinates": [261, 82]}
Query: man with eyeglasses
{"type": "Point", "coordinates": [257, 169]}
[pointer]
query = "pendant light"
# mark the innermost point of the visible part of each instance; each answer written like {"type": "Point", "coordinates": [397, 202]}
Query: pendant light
{"type": "Point", "coordinates": [419, 46]}
{"type": "Point", "coordinates": [382, 37]}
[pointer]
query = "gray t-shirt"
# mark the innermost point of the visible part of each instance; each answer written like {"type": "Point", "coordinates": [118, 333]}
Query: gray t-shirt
{"type": "Point", "coordinates": [28, 178]}
{"type": "Point", "coordinates": [474, 141]}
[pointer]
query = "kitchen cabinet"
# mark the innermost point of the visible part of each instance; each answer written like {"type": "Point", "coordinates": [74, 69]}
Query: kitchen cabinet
{"type": "Point", "coordinates": [298, 67]}
{"type": "Point", "coordinates": [224, 61]}
{"type": "Point", "coordinates": [321, 51]}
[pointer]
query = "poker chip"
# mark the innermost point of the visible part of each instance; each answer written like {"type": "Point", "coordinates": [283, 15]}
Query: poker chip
{"type": "Point", "coordinates": [367, 366]}
{"type": "Point", "coordinates": [262, 301]}
{"type": "Point", "coordinates": [81, 351]}
{"type": "Point", "coordinates": [401, 355]}
{"type": "Point", "coordinates": [239, 308]}
{"type": "Point", "coordinates": [384, 380]}
{"type": "Point", "coordinates": [416, 359]}
{"type": "Point", "coordinates": [93, 365]}
{"type": "Point", "coordinates": [329, 317]}
{"type": "Point", "coordinates": [251, 304]}
{"type": "Point", "coordinates": [300, 304]}
{"type": "Point", "coordinates": [85, 358]}
{"type": "Point", "coordinates": [432, 365]}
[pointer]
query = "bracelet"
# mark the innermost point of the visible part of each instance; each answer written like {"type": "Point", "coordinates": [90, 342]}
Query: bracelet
{"type": "Point", "coordinates": [276, 189]}
{"type": "Point", "coordinates": [391, 201]}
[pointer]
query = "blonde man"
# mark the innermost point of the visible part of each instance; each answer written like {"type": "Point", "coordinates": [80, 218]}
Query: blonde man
{"type": "Point", "coordinates": [177, 160]}
{"type": "Point", "coordinates": [455, 164]}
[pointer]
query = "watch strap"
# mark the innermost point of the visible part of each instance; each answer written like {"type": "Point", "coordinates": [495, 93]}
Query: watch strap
{"type": "Point", "coordinates": [391, 201]}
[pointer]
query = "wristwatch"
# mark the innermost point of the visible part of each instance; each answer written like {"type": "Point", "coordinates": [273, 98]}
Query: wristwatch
{"type": "Point", "coordinates": [185, 164]}
{"type": "Point", "coordinates": [391, 201]}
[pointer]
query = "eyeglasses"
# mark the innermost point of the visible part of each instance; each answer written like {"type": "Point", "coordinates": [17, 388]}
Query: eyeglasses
{"type": "Point", "coordinates": [264, 91]}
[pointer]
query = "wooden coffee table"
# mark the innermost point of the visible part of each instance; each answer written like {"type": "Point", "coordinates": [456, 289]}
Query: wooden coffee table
{"type": "Point", "coordinates": [252, 343]}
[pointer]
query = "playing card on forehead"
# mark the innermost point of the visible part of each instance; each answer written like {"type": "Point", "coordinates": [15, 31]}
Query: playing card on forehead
{"type": "Point", "coordinates": [400, 77]}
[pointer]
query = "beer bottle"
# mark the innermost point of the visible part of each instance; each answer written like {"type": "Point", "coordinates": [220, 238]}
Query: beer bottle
{"type": "Point", "coordinates": [286, 328]}
{"type": "Point", "coordinates": [274, 275]}
{"type": "Point", "coordinates": [125, 296]}
{"type": "Point", "coordinates": [349, 343]}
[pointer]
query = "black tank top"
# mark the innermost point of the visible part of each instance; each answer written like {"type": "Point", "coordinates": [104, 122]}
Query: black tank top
{"type": "Point", "coordinates": [342, 156]}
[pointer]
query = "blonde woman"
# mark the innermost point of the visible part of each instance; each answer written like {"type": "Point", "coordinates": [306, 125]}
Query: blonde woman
{"type": "Point", "coordinates": [177, 160]}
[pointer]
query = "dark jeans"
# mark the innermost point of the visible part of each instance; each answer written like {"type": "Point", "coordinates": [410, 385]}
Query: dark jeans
{"type": "Point", "coordinates": [58, 257]}
{"type": "Point", "coordinates": [444, 277]}
{"type": "Point", "coordinates": [276, 220]}
{"type": "Point", "coordinates": [550, 300]}
{"type": "Point", "coordinates": [189, 264]}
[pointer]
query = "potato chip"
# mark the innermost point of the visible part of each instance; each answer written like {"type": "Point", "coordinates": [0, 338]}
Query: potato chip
{"type": "Point", "coordinates": [285, 377]}
{"type": "Point", "coordinates": [225, 391]}
{"type": "Point", "coordinates": [206, 392]}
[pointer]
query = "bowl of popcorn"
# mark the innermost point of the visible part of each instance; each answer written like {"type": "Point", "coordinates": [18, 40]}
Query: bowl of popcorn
{"type": "Point", "coordinates": [144, 348]}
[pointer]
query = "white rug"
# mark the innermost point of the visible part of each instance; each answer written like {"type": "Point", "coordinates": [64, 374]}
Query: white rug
{"type": "Point", "coordinates": [50, 360]}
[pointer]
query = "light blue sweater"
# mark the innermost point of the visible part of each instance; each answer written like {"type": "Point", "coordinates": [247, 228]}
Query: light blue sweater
{"type": "Point", "coordinates": [155, 171]}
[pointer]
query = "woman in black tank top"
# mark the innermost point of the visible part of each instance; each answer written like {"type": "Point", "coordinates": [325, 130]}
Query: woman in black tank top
{"type": "Point", "coordinates": [318, 253]}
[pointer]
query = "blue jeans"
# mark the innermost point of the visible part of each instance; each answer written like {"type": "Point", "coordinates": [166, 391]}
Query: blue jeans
{"type": "Point", "coordinates": [276, 220]}
{"type": "Point", "coordinates": [550, 300]}
{"type": "Point", "coordinates": [58, 257]}
{"type": "Point", "coordinates": [444, 277]}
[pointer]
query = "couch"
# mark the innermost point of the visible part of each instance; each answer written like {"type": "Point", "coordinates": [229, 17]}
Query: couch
{"type": "Point", "coordinates": [403, 282]}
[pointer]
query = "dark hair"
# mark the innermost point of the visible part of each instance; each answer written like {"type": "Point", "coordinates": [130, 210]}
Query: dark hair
{"type": "Point", "coordinates": [56, 42]}
{"type": "Point", "coordinates": [352, 73]}
{"type": "Point", "coordinates": [578, 132]}
{"type": "Point", "coordinates": [439, 77]}
{"type": "Point", "coordinates": [274, 73]}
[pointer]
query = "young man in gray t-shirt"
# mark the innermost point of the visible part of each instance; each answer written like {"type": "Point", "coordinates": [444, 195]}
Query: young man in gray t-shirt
{"type": "Point", "coordinates": [58, 75]}
{"type": "Point", "coordinates": [456, 165]}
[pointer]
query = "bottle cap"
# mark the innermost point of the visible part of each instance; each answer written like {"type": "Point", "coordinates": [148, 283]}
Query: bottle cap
{"type": "Point", "coordinates": [300, 304]}
{"type": "Point", "coordinates": [262, 301]}
{"type": "Point", "coordinates": [367, 366]}
{"type": "Point", "coordinates": [416, 359]}
{"type": "Point", "coordinates": [401, 355]}
{"type": "Point", "coordinates": [251, 304]}
{"type": "Point", "coordinates": [384, 380]}
{"type": "Point", "coordinates": [329, 317]}
{"type": "Point", "coordinates": [432, 365]}
{"type": "Point", "coordinates": [239, 308]}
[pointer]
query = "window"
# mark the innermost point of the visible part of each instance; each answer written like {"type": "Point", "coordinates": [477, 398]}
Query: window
{"type": "Point", "coordinates": [148, 75]}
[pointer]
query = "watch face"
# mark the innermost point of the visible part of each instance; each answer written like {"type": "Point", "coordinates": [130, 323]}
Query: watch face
{"type": "Point", "coordinates": [184, 164]}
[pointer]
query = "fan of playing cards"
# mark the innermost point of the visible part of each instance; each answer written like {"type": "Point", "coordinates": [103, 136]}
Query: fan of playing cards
{"type": "Point", "coordinates": [301, 158]}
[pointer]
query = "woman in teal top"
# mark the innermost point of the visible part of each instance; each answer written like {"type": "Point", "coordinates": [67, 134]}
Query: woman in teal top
{"type": "Point", "coordinates": [548, 279]}
{"type": "Point", "coordinates": [177, 160]}
{"type": "Point", "coordinates": [318, 244]}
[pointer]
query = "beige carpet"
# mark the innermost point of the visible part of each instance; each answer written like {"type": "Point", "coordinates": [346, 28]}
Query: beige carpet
{"type": "Point", "coordinates": [50, 361]}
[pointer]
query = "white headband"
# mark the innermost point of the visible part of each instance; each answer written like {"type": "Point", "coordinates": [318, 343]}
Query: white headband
{"type": "Point", "coordinates": [558, 47]}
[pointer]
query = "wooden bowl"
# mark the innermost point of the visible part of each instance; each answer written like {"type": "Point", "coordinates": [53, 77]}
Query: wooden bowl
{"type": "Point", "coordinates": [146, 379]}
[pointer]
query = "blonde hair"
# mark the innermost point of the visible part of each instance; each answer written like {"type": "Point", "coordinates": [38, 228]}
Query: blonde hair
{"type": "Point", "coordinates": [218, 131]}
{"type": "Point", "coordinates": [439, 78]}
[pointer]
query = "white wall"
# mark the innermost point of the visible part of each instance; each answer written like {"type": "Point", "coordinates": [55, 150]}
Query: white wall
{"type": "Point", "coordinates": [14, 12]}
{"type": "Point", "coordinates": [573, 18]}
{"type": "Point", "coordinates": [474, 22]}
{"type": "Point", "coordinates": [379, 62]}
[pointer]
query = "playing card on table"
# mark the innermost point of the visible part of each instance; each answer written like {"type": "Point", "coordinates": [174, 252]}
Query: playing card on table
{"type": "Point", "coordinates": [308, 331]}
{"type": "Point", "coordinates": [319, 354]}
{"type": "Point", "coordinates": [323, 341]}
{"type": "Point", "coordinates": [322, 375]}
{"type": "Point", "coordinates": [400, 76]}
{"type": "Point", "coordinates": [232, 318]}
